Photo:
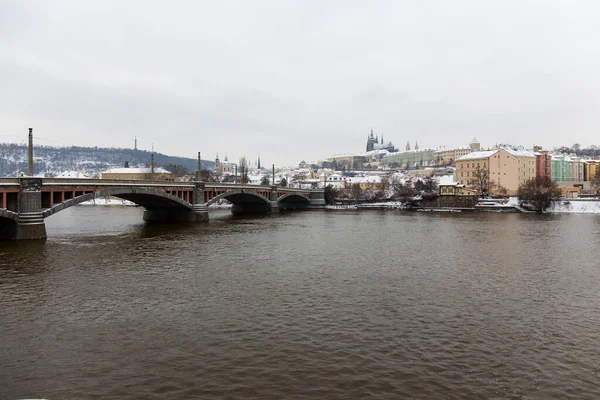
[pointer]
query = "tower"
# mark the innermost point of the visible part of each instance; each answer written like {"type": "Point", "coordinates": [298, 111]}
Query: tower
{"type": "Point", "coordinates": [258, 166]}
{"type": "Point", "coordinates": [475, 145]}
{"type": "Point", "coordinates": [416, 145]}
{"type": "Point", "coordinates": [218, 166]}
{"type": "Point", "coordinates": [407, 146]}
{"type": "Point", "coordinates": [371, 141]}
{"type": "Point", "coordinates": [135, 143]}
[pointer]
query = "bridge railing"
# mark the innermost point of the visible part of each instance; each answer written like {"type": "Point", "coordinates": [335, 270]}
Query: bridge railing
{"type": "Point", "coordinates": [79, 182]}
{"type": "Point", "coordinates": [9, 181]}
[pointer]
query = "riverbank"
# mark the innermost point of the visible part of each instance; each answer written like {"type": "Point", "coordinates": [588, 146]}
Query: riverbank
{"type": "Point", "coordinates": [572, 206]}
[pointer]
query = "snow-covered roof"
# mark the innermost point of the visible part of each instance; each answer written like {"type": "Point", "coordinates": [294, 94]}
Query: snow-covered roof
{"type": "Point", "coordinates": [478, 155]}
{"type": "Point", "coordinates": [157, 170]}
{"type": "Point", "coordinates": [364, 179]}
{"type": "Point", "coordinates": [72, 174]}
{"type": "Point", "coordinates": [447, 180]}
{"type": "Point", "coordinates": [452, 149]}
{"type": "Point", "coordinates": [519, 153]}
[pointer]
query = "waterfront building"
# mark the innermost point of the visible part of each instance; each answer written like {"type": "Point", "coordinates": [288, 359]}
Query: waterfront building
{"type": "Point", "coordinates": [506, 168]}
{"type": "Point", "coordinates": [591, 168]}
{"type": "Point", "coordinates": [543, 163]}
{"type": "Point", "coordinates": [561, 171]}
{"type": "Point", "coordinates": [576, 169]}
{"type": "Point", "coordinates": [449, 156]}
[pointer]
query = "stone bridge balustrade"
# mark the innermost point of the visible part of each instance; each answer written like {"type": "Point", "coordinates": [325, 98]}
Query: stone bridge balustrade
{"type": "Point", "coordinates": [26, 201]}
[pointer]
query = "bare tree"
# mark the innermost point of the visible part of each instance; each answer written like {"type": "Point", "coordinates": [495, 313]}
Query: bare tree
{"type": "Point", "coordinates": [356, 191]}
{"type": "Point", "coordinates": [243, 170]}
{"type": "Point", "coordinates": [596, 179]}
{"type": "Point", "coordinates": [265, 181]}
{"type": "Point", "coordinates": [539, 193]}
{"type": "Point", "coordinates": [207, 176]}
{"type": "Point", "coordinates": [482, 180]}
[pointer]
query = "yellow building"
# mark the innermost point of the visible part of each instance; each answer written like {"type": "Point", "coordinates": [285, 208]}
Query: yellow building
{"type": "Point", "coordinates": [456, 190]}
{"type": "Point", "coordinates": [349, 161]}
{"type": "Point", "coordinates": [449, 156]}
{"type": "Point", "coordinates": [506, 168]}
{"type": "Point", "coordinates": [134, 174]}
{"type": "Point", "coordinates": [591, 168]}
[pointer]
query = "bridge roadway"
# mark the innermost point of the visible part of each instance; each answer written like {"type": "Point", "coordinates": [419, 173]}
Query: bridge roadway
{"type": "Point", "coordinates": [25, 202]}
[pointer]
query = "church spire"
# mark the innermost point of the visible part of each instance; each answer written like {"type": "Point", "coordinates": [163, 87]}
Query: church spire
{"type": "Point", "coordinates": [407, 146]}
{"type": "Point", "coordinates": [416, 145]}
{"type": "Point", "coordinates": [258, 166]}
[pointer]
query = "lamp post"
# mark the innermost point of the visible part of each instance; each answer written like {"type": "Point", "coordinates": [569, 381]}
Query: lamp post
{"type": "Point", "coordinates": [30, 153]}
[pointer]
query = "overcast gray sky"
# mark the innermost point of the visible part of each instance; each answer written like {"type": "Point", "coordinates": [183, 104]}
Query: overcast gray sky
{"type": "Point", "coordinates": [296, 80]}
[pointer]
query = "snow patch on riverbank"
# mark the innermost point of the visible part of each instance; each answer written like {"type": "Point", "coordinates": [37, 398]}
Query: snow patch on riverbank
{"type": "Point", "coordinates": [591, 206]}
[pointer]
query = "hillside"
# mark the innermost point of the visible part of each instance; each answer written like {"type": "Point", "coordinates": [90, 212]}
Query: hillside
{"type": "Point", "coordinates": [50, 161]}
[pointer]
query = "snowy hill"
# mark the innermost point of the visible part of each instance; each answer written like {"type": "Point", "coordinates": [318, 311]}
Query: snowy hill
{"type": "Point", "coordinates": [52, 161]}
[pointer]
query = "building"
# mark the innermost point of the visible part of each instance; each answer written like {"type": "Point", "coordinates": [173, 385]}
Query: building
{"type": "Point", "coordinates": [543, 164]}
{"type": "Point", "coordinates": [134, 174]}
{"type": "Point", "coordinates": [506, 169]}
{"type": "Point", "coordinates": [337, 181]}
{"type": "Point", "coordinates": [561, 171]}
{"type": "Point", "coordinates": [373, 143]}
{"type": "Point", "coordinates": [449, 156]}
{"type": "Point", "coordinates": [224, 168]}
{"type": "Point", "coordinates": [409, 158]}
{"type": "Point", "coordinates": [372, 182]}
{"type": "Point", "coordinates": [347, 161]}
{"type": "Point", "coordinates": [576, 169]}
{"type": "Point", "coordinates": [591, 168]}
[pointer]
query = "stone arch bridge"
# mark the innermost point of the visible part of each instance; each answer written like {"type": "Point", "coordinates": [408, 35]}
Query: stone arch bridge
{"type": "Point", "coordinates": [26, 202]}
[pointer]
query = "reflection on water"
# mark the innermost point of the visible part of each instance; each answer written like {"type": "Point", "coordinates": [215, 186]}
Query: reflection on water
{"type": "Point", "coordinates": [326, 305]}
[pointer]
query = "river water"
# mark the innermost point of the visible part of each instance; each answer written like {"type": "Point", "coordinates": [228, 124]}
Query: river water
{"type": "Point", "coordinates": [316, 304]}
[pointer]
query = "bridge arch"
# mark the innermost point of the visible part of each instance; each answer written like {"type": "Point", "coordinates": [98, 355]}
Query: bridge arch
{"type": "Point", "coordinates": [293, 201]}
{"type": "Point", "coordinates": [240, 197]}
{"type": "Point", "coordinates": [8, 224]}
{"type": "Point", "coordinates": [7, 214]}
{"type": "Point", "coordinates": [147, 198]}
{"type": "Point", "coordinates": [295, 198]}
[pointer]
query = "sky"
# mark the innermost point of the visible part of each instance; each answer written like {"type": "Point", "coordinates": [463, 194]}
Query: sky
{"type": "Point", "coordinates": [299, 80]}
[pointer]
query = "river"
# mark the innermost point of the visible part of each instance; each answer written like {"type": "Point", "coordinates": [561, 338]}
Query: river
{"type": "Point", "coordinates": [316, 304]}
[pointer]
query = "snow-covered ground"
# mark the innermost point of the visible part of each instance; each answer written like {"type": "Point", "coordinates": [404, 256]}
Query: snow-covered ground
{"type": "Point", "coordinates": [587, 206]}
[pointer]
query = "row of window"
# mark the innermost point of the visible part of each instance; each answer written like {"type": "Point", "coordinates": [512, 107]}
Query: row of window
{"type": "Point", "coordinates": [473, 165]}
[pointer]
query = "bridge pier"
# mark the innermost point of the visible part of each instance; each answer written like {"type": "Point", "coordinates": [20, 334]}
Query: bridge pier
{"type": "Point", "coordinates": [317, 200]}
{"type": "Point", "coordinates": [274, 202]}
{"type": "Point", "coordinates": [199, 207]}
{"type": "Point", "coordinates": [30, 222]}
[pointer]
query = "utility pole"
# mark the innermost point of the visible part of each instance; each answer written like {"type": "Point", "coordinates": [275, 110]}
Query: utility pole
{"type": "Point", "coordinates": [30, 154]}
{"type": "Point", "coordinates": [273, 174]}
